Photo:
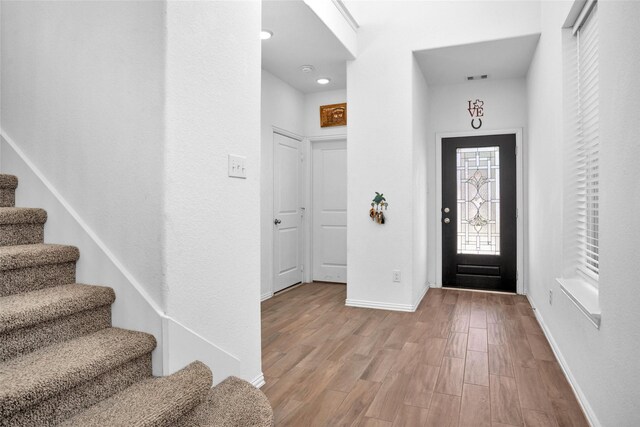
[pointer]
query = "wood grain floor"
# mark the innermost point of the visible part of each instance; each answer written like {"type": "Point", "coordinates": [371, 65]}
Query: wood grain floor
{"type": "Point", "coordinates": [462, 359]}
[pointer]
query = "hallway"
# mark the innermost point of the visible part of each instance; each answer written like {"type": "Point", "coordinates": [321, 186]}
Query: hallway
{"type": "Point", "coordinates": [463, 358]}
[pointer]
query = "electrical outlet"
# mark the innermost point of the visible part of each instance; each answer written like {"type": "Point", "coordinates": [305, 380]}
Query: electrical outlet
{"type": "Point", "coordinates": [550, 297]}
{"type": "Point", "coordinates": [396, 276]}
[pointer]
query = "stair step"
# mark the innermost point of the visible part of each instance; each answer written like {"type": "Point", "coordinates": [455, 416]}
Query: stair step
{"type": "Point", "coordinates": [8, 185]}
{"type": "Point", "coordinates": [32, 320]}
{"type": "Point", "coordinates": [153, 402]}
{"type": "Point", "coordinates": [233, 402]}
{"type": "Point", "coordinates": [21, 226]}
{"type": "Point", "coordinates": [56, 382]}
{"type": "Point", "coordinates": [26, 268]}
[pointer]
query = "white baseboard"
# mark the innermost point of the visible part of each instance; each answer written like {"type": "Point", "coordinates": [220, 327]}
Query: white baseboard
{"type": "Point", "coordinates": [582, 399]}
{"type": "Point", "coordinates": [258, 381]}
{"type": "Point", "coordinates": [266, 296]}
{"type": "Point", "coordinates": [379, 305]}
{"type": "Point", "coordinates": [183, 346]}
{"type": "Point", "coordinates": [416, 303]}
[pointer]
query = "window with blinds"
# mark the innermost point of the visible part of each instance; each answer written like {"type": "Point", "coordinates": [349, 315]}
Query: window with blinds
{"type": "Point", "coordinates": [585, 142]}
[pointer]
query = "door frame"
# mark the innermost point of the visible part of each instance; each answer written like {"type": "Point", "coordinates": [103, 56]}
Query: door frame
{"type": "Point", "coordinates": [520, 221]}
{"type": "Point", "coordinates": [303, 226]}
{"type": "Point", "coordinates": [308, 272]}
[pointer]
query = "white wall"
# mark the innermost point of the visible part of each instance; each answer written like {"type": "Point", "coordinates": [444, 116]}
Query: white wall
{"type": "Point", "coordinates": [212, 222]}
{"type": "Point", "coordinates": [380, 149]}
{"type": "Point", "coordinates": [505, 104]}
{"type": "Point", "coordinates": [97, 135]}
{"type": "Point", "coordinates": [312, 103]}
{"type": "Point", "coordinates": [282, 106]}
{"type": "Point", "coordinates": [603, 362]}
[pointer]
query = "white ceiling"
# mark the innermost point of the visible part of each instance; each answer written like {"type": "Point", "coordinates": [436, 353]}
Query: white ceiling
{"type": "Point", "coordinates": [499, 59]}
{"type": "Point", "coordinates": [301, 38]}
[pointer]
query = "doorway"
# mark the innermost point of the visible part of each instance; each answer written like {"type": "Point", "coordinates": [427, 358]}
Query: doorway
{"type": "Point", "coordinates": [479, 212]}
{"type": "Point", "coordinates": [287, 212]}
{"type": "Point", "coordinates": [329, 201]}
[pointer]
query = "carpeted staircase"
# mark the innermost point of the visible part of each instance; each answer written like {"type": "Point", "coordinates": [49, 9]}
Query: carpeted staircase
{"type": "Point", "coordinates": [61, 362]}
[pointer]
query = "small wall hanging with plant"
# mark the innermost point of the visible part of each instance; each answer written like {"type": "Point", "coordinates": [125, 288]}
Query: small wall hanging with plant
{"type": "Point", "coordinates": [378, 204]}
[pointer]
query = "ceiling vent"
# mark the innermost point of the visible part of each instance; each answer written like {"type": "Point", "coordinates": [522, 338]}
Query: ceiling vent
{"type": "Point", "coordinates": [480, 77]}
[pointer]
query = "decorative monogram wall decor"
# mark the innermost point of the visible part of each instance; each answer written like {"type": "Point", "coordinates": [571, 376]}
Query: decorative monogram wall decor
{"type": "Point", "coordinates": [476, 110]}
{"type": "Point", "coordinates": [333, 115]}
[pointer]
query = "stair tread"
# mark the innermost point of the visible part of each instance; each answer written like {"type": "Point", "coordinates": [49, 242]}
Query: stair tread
{"type": "Point", "coordinates": [21, 256]}
{"type": "Point", "coordinates": [8, 181]}
{"type": "Point", "coordinates": [37, 376]}
{"type": "Point", "coordinates": [31, 308]}
{"type": "Point", "coordinates": [156, 401]}
{"type": "Point", "coordinates": [233, 402]}
{"type": "Point", "coordinates": [22, 216]}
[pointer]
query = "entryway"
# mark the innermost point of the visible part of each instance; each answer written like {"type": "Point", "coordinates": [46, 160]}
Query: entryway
{"type": "Point", "coordinates": [479, 229]}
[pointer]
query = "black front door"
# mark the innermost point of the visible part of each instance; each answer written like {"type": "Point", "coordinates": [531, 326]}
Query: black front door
{"type": "Point", "coordinates": [479, 212]}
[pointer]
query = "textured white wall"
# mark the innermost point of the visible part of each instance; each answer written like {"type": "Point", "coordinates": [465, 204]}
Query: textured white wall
{"type": "Point", "coordinates": [603, 362]}
{"type": "Point", "coordinates": [82, 95]}
{"type": "Point", "coordinates": [212, 222]}
{"type": "Point", "coordinates": [281, 106]}
{"type": "Point", "coordinates": [312, 103]}
{"type": "Point", "coordinates": [380, 149]}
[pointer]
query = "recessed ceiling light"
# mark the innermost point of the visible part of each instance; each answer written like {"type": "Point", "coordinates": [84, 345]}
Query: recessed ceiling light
{"type": "Point", "coordinates": [323, 80]}
{"type": "Point", "coordinates": [266, 34]}
{"type": "Point", "coordinates": [306, 68]}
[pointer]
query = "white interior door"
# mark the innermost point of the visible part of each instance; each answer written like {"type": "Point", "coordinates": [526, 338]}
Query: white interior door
{"type": "Point", "coordinates": [287, 215]}
{"type": "Point", "coordinates": [330, 211]}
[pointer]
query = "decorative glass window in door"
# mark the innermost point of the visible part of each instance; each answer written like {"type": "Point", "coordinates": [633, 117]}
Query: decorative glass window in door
{"type": "Point", "coordinates": [478, 193]}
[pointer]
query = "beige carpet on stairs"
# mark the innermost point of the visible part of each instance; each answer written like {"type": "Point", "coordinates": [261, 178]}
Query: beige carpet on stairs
{"type": "Point", "coordinates": [61, 361]}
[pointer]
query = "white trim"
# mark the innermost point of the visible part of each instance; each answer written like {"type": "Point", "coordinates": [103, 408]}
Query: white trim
{"type": "Point", "coordinates": [85, 227]}
{"type": "Point", "coordinates": [582, 399]}
{"type": "Point", "coordinates": [584, 296]}
{"type": "Point", "coordinates": [258, 381]}
{"type": "Point", "coordinates": [379, 305]}
{"type": "Point", "coordinates": [308, 186]}
{"type": "Point", "coordinates": [301, 176]}
{"type": "Point", "coordinates": [417, 302]}
{"type": "Point", "coordinates": [576, 8]}
{"type": "Point", "coordinates": [521, 286]}
{"type": "Point", "coordinates": [288, 134]}
{"type": "Point", "coordinates": [347, 15]}
{"type": "Point", "coordinates": [582, 17]}
{"type": "Point", "coordinates": [180, 331]}
{"type": "Point", "coordinates": [266, 296]}
{"type": "Point", "coordinates": [321, 138]}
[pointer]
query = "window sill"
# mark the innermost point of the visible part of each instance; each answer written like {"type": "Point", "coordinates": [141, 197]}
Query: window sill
{"type": "Point", "coordinates": [584, 296]}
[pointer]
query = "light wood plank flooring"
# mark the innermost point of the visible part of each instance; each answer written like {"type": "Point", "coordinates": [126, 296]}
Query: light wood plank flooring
{"type": "Point", "coordinates": [462, 359]}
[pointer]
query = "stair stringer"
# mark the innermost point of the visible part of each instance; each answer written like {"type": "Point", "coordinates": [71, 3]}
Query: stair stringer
{"type": "Point", "coordinates": [133, 308]}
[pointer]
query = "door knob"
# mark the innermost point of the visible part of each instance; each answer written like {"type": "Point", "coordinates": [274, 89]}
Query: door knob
{"type": "Point", "coordinates": [447, 220]}
{"type": "Point", "coordinates": [276, 221]}
{"type": "Point", "coordinates": [447, 210]}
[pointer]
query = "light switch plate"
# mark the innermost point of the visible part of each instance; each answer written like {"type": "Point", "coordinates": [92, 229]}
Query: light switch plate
{"type": "Point", "coordinates": [237, 166]}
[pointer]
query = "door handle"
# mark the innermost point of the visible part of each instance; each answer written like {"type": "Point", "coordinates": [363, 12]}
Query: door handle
{"type": "Point", "coordinates": [447, 220]}
{"type": "Point", "coordinates": [276, 221]}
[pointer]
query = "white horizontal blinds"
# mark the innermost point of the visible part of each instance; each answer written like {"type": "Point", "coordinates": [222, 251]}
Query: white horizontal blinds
{"type": "Point", "coordinates": [588, 144]}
